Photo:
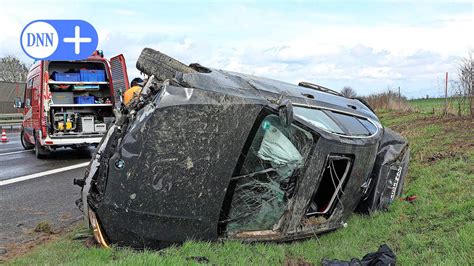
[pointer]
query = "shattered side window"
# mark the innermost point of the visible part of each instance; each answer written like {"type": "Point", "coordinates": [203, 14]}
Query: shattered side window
{"type": "Point", "coordinates": [268, 175]}
{"type": "Point", "coordinates": [317, 118]}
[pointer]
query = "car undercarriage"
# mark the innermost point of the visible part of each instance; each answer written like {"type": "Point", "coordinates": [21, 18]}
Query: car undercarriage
{"type": "Point", "coordinates": [207, 154]}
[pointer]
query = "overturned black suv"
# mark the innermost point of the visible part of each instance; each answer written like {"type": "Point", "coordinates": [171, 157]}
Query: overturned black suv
{"type": "Point", "coordinates": [207, 154]}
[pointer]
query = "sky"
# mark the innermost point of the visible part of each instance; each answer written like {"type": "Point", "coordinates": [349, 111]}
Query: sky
{"type": "Point", "coordinates": [368, 45]}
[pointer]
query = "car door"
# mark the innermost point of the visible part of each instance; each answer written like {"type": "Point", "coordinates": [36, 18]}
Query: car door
{"type": "Point", "coordinates": [119, 78]}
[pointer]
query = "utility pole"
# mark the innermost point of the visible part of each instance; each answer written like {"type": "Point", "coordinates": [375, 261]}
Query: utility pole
{"type": "Point", "coordinates": [446, 95]}
{"type": "Point", "coordinates": [399, 99]}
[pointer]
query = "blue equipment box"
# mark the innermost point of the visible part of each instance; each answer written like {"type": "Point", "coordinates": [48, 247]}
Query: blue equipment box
{"type": "Point", "coordinates": [66, 76]}
{"type": "Point", "coordinates": [92, 75]}
{"type": "Point", "coordinates": [84, 100]}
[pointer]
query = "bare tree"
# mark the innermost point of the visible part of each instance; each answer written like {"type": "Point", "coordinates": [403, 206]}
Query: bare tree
{"type": "Point", "coordinates": [348, 92]}
{"type": "Point", "coordinates": [466, 80]}
{"type": "Point", "coordinates": [459, 95]}
{"type": "Point", "coordinates": [12, 69]}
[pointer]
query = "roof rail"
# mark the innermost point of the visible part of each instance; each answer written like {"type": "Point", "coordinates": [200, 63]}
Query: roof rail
{"type": "Point", "coordinates": [318, 88]}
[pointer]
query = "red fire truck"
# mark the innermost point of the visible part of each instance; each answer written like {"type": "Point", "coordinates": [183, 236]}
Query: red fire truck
{"type": "Point", "coordinates": [70, 103]}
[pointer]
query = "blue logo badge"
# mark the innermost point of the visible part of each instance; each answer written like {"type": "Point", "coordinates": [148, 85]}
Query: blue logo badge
{"type": "Point", "coordinates": [59, 39]}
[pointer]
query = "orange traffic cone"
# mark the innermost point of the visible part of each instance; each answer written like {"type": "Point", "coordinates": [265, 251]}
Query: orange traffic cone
{"type": "Point", "coordinates": [4, 136]}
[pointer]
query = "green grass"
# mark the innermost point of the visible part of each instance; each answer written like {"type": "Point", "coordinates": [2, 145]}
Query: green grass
{"type": "Point", "coordinates": [427, 105]}
{"type": "Point", "coordinates": [436, 105]}
{"type": "Point", "coordinates": [437, 228]}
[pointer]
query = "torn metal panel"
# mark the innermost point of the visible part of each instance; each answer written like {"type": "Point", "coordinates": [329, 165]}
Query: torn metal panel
{"type": "Point", "coordinates": [363, 160]}
{"type": "Point", "coordinates": [388, 175]}
{"type": "Point", "coordinates": [208, 154]}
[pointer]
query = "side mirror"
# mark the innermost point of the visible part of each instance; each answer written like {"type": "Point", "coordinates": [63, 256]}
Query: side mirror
{"type": "Point", "coordinates": [285, 112]}
{"type": "Point", "coordinates": [18, 103]}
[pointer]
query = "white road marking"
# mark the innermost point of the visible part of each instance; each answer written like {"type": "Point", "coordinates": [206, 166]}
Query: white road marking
{"type": "Point", "coordinates": [13, 152]}
{"type": "Point", "coordinates": [50, 172]}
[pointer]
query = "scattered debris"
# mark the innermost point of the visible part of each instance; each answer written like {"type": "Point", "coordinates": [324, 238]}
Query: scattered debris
{"type": "Point", "coordinates": [198, 259]}
{"type": "Point", "coordinates": [442, 155]}
{"type": "Point", "coordinates": [44, 227]}
{"type": "Point", "coordinates": [314, 220]}
{"type": "Point", "coordinates": [207, 154]}
{"type": "Point", "coordinates": [383, 256]}
{"type": "Point", "coordinates": [296, 262]}
{"type": "Point", "coordinates": [90, 242]}
{"type": "Point", "coordinates": [19, 248]}
{"type": "Point", "coordinates": [82, 236]}
{"type": "Point", "coordinates": [410, 199]}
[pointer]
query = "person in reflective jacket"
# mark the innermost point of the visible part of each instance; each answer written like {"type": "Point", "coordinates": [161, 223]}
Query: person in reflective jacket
{"type": "Point", "coordinates": [134, 91]}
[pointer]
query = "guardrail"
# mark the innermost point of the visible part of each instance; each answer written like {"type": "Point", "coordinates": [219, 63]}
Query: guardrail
{"type": "Point", "coordinates": [10, 120]}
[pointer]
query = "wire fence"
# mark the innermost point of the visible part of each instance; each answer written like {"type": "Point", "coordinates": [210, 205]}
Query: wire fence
{"type": "Point", "coordinates": [8, 92]}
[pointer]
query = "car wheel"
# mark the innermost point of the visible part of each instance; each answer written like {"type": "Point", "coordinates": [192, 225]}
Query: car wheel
{"type": "Point", "coordinates": [26, 145]}
{"type": "Point", "coordinates": [152, 62]}
{"type": "Point", "coordinates": [40, 152]}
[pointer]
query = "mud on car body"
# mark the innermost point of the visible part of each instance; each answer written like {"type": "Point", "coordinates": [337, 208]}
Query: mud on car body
{"type": "Point", "coordinates": [207, 154]}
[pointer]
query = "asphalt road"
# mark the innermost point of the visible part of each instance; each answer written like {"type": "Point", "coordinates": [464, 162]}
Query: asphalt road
{"type": "Point", "coordinates": [30, 193]}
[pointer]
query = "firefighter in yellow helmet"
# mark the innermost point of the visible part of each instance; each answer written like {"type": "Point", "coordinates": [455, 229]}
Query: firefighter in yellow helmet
{"type": "Point", "coordinates": [133, 91]}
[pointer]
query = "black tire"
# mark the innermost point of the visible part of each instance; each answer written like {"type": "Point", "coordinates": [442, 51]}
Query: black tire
{"type": "Point", "coordinates": [152, 62]}
{"type": "Point", "coordinates": [40, 152]}
{"type": "Point", "coordinates": [26, 145]}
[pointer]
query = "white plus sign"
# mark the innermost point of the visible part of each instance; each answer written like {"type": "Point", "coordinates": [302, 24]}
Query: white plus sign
{"type": "Point", "coordinates": [77, 40]}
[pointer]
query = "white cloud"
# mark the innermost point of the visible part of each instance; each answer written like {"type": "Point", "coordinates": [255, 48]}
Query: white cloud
{"type": "Point", "coordinates": [378, 73]}
{"type": "Point", "coordinates": [125, 12]}
{"type": "Point", "coordinates": [332, 49]}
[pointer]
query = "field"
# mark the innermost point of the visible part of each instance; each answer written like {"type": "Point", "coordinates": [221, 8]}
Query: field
{"type": "Point", "coordinates": [437, 228]}
{"type": "Point", "coordinates": [436, 106]}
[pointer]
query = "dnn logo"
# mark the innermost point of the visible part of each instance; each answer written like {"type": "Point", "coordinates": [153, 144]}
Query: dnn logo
{"type": "Point", "coordinates": [59, 39]}
{"type": "Point", "coordinates": [43, 39]}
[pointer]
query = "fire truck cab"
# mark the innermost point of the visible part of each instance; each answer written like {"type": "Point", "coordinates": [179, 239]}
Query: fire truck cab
{"type": "Point", "coordinates": [70, 103]}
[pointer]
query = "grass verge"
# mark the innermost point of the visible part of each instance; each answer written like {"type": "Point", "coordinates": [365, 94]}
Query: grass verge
{"type": "Point", "coordinates": [437, 105]}
{"type": "Point", "coordinates": [437, 228]}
